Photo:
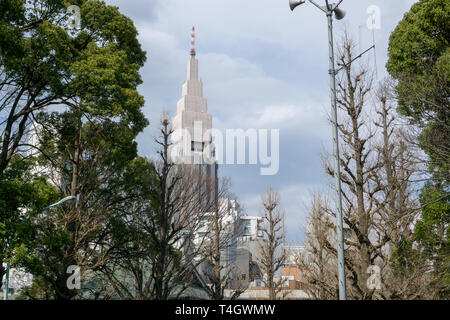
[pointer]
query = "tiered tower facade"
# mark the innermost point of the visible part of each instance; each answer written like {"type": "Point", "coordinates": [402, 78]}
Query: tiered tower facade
{"type": "Point", "coordinates": [192, 127]}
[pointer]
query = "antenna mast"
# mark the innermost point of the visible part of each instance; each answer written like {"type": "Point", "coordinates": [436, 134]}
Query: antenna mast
{"type": "Point", "coordinates": [193, 42]}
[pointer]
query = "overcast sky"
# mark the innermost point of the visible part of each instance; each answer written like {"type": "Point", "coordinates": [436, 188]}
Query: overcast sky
{"type": "Point", "coordinates": [262, 66]}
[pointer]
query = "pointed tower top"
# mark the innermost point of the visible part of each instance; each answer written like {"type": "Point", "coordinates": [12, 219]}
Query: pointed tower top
{"type": "Point", "coordinates": [193, 42]}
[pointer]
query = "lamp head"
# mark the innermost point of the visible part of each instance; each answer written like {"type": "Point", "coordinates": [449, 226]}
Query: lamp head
{"type": "Point", "coordinates": [339, 13]}
{"type": "Point", "coordinates": [295, 3]}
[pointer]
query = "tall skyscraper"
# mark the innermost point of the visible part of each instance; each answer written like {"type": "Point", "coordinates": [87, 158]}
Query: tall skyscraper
{"type": "Point", "coordinates": [192, 130]}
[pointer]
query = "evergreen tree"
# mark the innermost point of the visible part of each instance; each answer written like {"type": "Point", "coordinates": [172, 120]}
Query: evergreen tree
{"type": "Point", "coordinates": [90, 76]}
{"type": "Point", "coordinates": [419, 59]}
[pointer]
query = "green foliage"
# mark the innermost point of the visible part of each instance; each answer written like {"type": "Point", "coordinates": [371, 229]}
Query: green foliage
{"type": "Point", "coordinates": [404, 258]}
{"type": "Point", "coordinates": [91, 75]}
{"type": "Point", "coordinates": [47, 64]}
{"type": "Point", "coordinates": [420, 39]}
{"type": "Point", "coordinates": [38, 290]}
{"type": "Point", "coordinates": [419, 59]}
{"type": "Point", "coordinates": [433, 233]}
{"type": "Point", "coordinates": [110, 177]}
{"type": "Point", "coordinates": [21, 193]}
{"type": "Point", "coordinates": [434, 228]}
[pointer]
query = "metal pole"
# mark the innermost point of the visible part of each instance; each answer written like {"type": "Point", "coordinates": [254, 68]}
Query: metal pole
{"type": "Point", "coordinates": [6, 286]}
{"type": "Point", "coordinates": [337, 170]}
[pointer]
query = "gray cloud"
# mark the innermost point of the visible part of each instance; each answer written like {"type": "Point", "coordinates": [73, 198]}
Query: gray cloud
{"type": "Point", "coordinates": [138, 10]}
{"type": "Point", "coordinates": [262, 67]}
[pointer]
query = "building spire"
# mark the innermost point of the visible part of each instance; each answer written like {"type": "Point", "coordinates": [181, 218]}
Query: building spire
{"type": "Point", "coordinates": [193, 42]}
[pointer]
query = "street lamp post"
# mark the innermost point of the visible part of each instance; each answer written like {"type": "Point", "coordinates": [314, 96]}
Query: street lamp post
{"type": "Point", "coordinates": [10, 244]}
{"type": "Point", "coordinates": [329, 9]}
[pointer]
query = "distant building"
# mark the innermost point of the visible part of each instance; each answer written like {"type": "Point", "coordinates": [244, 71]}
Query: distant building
{"type": "Point", "coordinates": [248, 252]}
{"type": "Point", "coordinates": [192, 126]}
{"type": "Point", "coordinates": [294, 276]}
{"type": "Point", "coordinates": [18, 279]}
{"type": "Point", "coordinates": [293, 288]}
{"type": "Point", "coordinates": [194, 147]}
{"type": "Point", "coordinates": [241, 235]}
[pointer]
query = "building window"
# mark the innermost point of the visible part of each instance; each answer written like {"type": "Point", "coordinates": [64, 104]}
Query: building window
{"type": "Point", "coordinates": [197, 146]}
{"type": "Point", "coordinates": [247, 228]}
{"type": "Point", "coordinates": [244, 276]}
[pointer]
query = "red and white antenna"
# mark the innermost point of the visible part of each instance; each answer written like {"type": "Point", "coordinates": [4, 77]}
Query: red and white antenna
{"type": "Point", "coordinates": [193, 42]}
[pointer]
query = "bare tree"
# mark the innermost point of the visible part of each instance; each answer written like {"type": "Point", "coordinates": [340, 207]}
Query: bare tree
{"type": "Point", "coordinates": [352, 97]}
{"type": "Point", "coordinates": [166, 252]}
{"type": "Point", "coordinates": [318, 261]}
{"type": "Point", "coordinates": [378, 195]}
{"type": "Point", "coordinates": [397, 208]}
{"type": "Point", "coordinates": [272, 256]}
